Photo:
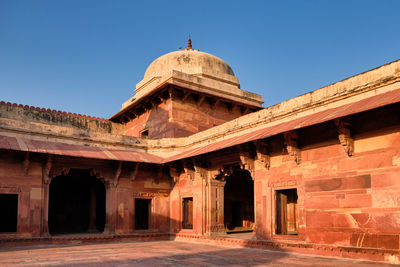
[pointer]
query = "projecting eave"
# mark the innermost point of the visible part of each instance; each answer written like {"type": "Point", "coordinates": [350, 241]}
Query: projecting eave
{"type": "Point", "coordinates": [202, 84]}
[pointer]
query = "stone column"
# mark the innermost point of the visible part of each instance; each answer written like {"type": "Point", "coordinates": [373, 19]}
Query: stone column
{"type": "Point", "coordinates": [44, 231]}
{"type": "Point", "coordinates": [111, 208]}
{"type": "Point", "coordinates": [215, 207]}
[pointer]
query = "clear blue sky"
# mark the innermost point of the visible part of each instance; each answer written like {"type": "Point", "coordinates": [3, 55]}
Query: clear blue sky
{"type": "Point", "coordinates": [87, 56]}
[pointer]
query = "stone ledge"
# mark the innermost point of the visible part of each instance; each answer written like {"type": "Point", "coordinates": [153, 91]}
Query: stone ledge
{"type": "Point", "coordinates": [370, 254]}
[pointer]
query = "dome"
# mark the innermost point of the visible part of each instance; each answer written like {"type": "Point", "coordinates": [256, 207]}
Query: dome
{"type": "Point", "coordinates": [188, 61]}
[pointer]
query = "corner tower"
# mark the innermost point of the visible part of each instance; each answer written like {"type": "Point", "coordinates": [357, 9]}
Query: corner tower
{"type": "Point", "coordinates": [182, 93]}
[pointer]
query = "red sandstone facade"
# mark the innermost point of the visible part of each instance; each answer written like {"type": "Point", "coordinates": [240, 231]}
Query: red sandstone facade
{"type": "Point", "coordinates": [318, 174]}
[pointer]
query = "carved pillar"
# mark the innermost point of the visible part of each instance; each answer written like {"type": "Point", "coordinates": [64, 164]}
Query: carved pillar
{"type": "Point", "coordinates": [215, 203]}
{"type": "Point", "coordinates": [200, 165]}
{"type": "Point", "coordinates": [111, 208]}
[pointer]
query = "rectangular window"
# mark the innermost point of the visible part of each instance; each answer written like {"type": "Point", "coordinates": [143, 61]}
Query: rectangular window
{"type": "Point", "coordinates": [9, 212]}
{"type": "Point", "coordinates": [187, 204]}
{"type": "Point", "coordinates": [286, 212]}
{"type": "Point", "coordinates": [142, 213]}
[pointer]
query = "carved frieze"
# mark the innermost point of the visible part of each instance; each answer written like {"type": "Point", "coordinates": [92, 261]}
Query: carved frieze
{"type": "Point", "coordinates": [161, 193]}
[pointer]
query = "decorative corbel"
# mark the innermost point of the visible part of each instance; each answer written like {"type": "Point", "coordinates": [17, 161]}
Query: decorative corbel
{"type": "Point", "coordinates": [201, 100]}
{"type": "Point", "coordinates": [173, 172]}
{"type": "Point", "coordinates": [189, 168]}
{"type": "Point", "coordinates": [246, 155]}
{"type": "Point", "coordinates": [224, 172]}
{"type": "Point", "coordinates": [344, 135]}
{"type": "Point", "coordinates": [26, 163]}
{"type": "Point", "coordinates": [117, 174]}
{"type": "Point", "coordinates": [200, 164]}
{"type": "Point", "coordinates": [57, 171]}
{"type": "Point", "coordinates": [134, 172]}
{"type": "Point", "coordinates": [185, 96]}
{"type": "Point", "coordinates": [155, 101]}
{"type": "Point", "coordinates": [292, 147]}
{"type": "Point", "coordinates": [262, 153]}
{"type": "Point", "coordinates": [46, 169]}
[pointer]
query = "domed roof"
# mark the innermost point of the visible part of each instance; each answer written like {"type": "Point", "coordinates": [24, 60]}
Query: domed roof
{"type": "Point", "coordinates": [188, 61]}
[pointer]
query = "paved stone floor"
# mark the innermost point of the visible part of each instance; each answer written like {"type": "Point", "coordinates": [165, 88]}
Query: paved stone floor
{"type": "Point", "coordinates": [160, 253]}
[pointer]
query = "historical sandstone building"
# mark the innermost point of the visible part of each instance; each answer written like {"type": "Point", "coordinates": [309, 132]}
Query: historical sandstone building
{"type": "Point", "coordinates": [191, 156]}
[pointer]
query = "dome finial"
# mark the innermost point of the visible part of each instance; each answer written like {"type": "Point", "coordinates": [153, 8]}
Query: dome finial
{"type": "Point", "coordinates": [189, 47]}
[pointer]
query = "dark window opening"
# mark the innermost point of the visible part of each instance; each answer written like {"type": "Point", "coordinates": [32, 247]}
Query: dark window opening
{"type": "Point", "coordinates": [187, 207]}
{"type": "Point", "coordinates": [144, 134]}
{"type": "Point", "coordinates": [9, 213]}
{"type": "Point", "coordinates": [76, 204]}
{"type": "Point", "coordinates": [142, 213]}
{"type": "Point", "coordinates": [239, 202]}
{"type": "Point", "coordinates": [286, 212]}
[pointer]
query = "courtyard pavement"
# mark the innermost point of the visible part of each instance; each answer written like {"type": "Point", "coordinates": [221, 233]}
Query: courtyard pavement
{"type": "Point", "coordinates": [160, 253]}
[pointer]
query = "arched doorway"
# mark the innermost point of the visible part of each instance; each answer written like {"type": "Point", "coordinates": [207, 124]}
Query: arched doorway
{"type": "Point", "coordinates": [239, 201]}
{"type": "Point", "coordinates": [76, 203]}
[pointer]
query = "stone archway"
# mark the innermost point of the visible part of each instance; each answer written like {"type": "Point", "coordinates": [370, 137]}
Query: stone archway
{"type": "Point", "coordinates": [239, 201]}
{"type": "Point", "coordinates": [76, 203]}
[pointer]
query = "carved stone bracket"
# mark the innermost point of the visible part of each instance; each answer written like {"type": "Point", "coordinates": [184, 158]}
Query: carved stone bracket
{"type": "Point", "coordinates": [201, 100]}
{"type": "Point", "coordinates": [57, 171]}
{"type": "Point", "coordinates": [189, 169]}
{"type": "Point", "coordinates": [25, 164]}
{"type": "Point", "coordinates": [292, 147]}
{"type": "Point", "coordinates": [100, 175]}
{"type": "Point", "coordinates": [200, 165]}
{"type": "Point", "coordinates": [262, 153]}
{"type": "Point", "coordinates": [173, 172]}
{"type": "Point", "coordinates": [223, 172]}
{"type": "Point", "coordinates": [246, 157]}
{"type": "Point", "coordinates": [117, 174]}
{"type": "Point", "coordinates": [344, 135]}
{"type": "Point", "coordinates": [134, 172]}
{"type": "Point", "coordinates": [46, 169]}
